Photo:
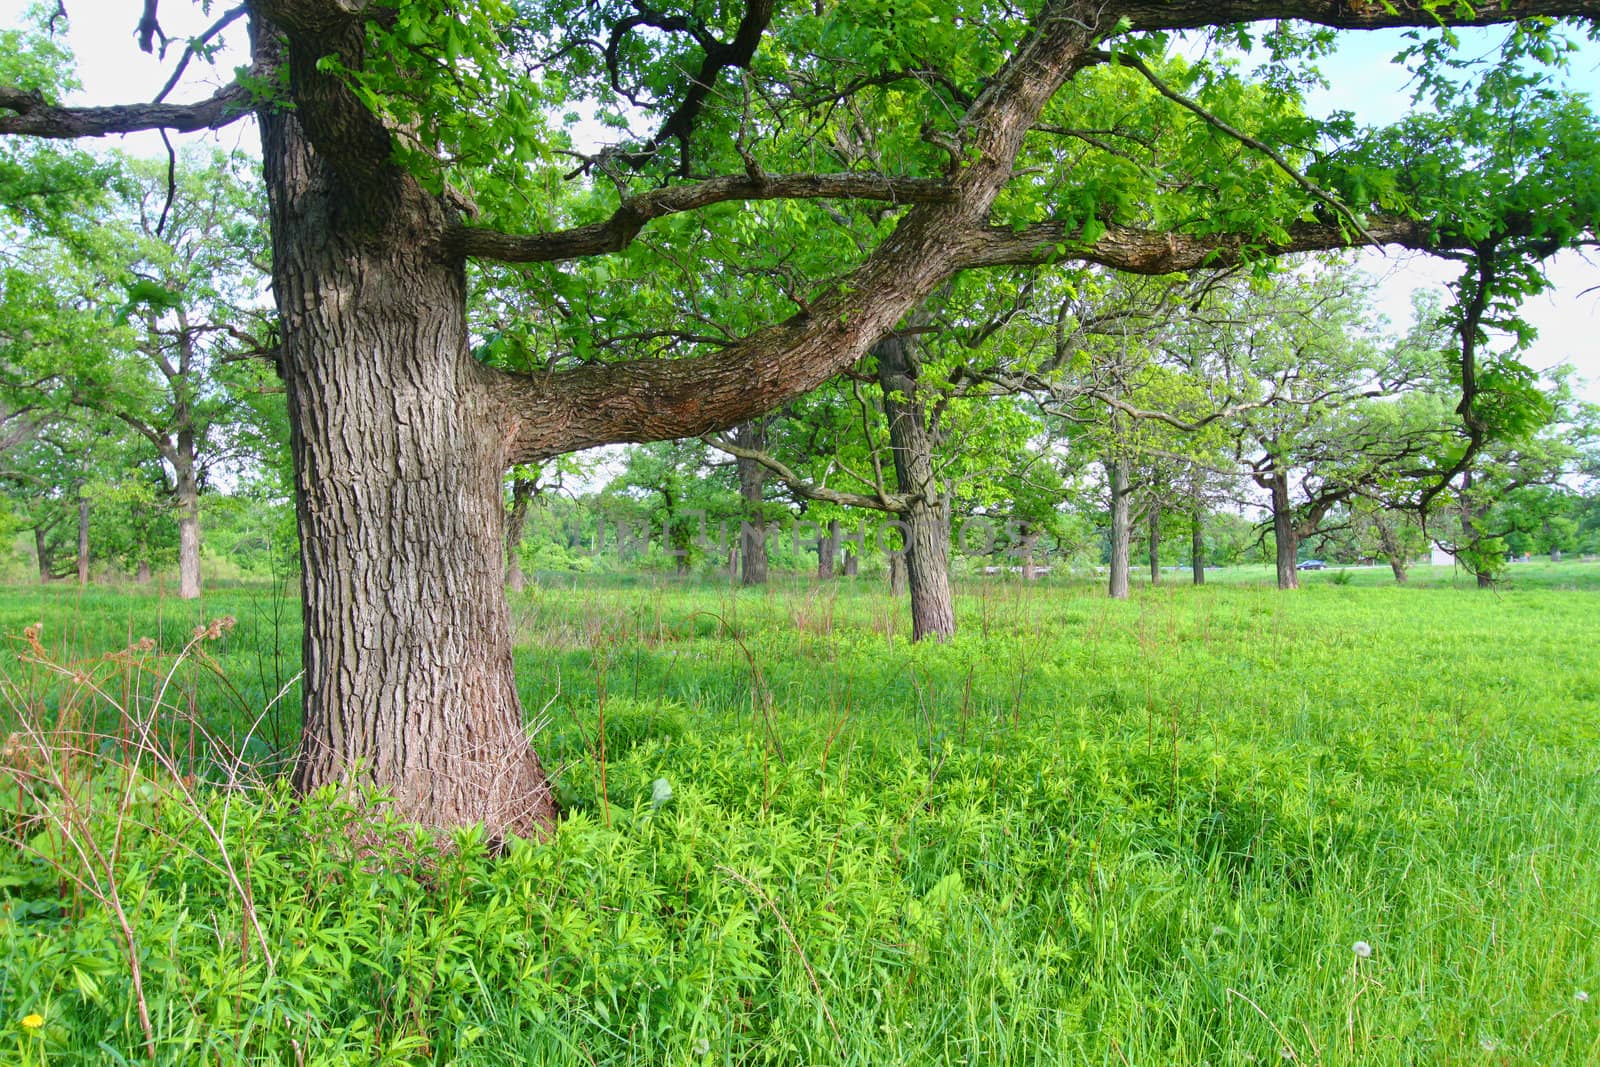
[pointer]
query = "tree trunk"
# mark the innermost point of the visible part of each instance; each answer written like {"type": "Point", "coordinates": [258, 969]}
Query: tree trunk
{"type": "Point", "coordinates": [1121, 524]}
{"type": "Point", "coordinates": [399, 450]}
{"type": "Point", "coordinates": [523, 490]}
{"type": "Point", "coordinates": [1155, 545]}
{"type": "Point", "coordinates": [143, 575]}
{"type": "Point", "coordinates": [927, 533]}
{"type": "Point", "coordinates": [1471, 516]}
{"type": "Point", "coordinates": [1028, 544]}
{"type": "Point", "coordinates": [753, 530]}
{"type": "Point", "coordinates": [83, 540]}
{"type": "Point", "coordinates": [852, 565]}
{"type": "Point", "coordinates": [1389, 542]}
{"type": "Point", "coordinates": [1284, 533]}
{"type": "Point", "coordinates": [41, 546]}
{"type": "Point", "coordinates": [828, 551]}
{"type": "Point", "coordinates": [187, 498]}
{"type": "Point", "coordinates": [1197, 544]}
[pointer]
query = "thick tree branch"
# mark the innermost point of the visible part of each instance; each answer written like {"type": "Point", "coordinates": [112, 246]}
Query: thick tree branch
{"type": "Point", "coordinates": [36, 118]}
{"type": "Point", "coordinates": [625, 223]}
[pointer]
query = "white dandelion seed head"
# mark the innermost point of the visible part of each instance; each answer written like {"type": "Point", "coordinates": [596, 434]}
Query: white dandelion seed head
{"type": "Point", "coordinates": [1581, 997]}
{"type": "Point", "coordinates": [1489, 1044]}
{"type": "Point", "coordinates": [1362, 949]}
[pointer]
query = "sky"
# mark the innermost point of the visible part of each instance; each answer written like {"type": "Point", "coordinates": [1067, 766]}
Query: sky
{"type": "Point", "coordinates": [1362, 80]}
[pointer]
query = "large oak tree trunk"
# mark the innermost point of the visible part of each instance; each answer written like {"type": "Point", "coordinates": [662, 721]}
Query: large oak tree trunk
{"type": "Point", "coordinates": [187, 498]}
{"type": "Point", "coordinates": [1121, 524]}
{"type": "Point", "coordinates": [927, 534]}
{"type": "Point", "coordinates": [753, 530]}
{"type": "Point", "coordinates": [399, 452]}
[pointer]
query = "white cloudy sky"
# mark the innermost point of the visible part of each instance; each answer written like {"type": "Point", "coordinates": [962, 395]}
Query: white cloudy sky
{"type": "Point", "coordinates": [1362, 80]}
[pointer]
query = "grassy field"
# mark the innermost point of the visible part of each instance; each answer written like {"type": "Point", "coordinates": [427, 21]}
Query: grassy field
{"type": "Point", "coordinates": [1356, 824]}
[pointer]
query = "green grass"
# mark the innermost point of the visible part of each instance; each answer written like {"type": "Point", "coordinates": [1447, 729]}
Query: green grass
{"type": "Point", "coordinates": [1083, 832]}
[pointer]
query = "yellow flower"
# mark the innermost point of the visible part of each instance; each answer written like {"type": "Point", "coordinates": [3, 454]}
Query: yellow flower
{"type": "Point", "coordinates": [33, 1021]}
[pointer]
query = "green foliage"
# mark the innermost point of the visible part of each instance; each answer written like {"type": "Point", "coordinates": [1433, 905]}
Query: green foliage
{"type": "Point", "coordinates": [1012, 845]}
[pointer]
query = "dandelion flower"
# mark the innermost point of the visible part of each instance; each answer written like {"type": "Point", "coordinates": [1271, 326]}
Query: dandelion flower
{"type": "Point", "coordinates": [1361, 949]}
{"type": "Point", "coordinates": [33, 1021]}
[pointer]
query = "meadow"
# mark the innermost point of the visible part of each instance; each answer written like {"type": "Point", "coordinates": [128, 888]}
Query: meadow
{"type": "Point", "coordinates": [1356, 824]}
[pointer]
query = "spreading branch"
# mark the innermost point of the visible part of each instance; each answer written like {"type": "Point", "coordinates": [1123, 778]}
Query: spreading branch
{"type": "Point", "coordinates": [618, 231]}
{"type": "Point", "coordinates": [894, 503]}
{"type": "Point", "coordinates": [37, 118]}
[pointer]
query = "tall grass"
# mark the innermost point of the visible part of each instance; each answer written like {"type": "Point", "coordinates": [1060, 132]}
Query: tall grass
{"type": "Point", "coordinates": [1084, 831]}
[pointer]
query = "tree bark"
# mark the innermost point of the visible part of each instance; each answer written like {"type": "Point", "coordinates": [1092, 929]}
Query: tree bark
{"type": "Point", "coordinates": [1471, 520]}
{"type": "Point", "coordinates": [926, 529]}
{"type": "Point", "coordinates": [828, 551]}
{"type": "Point", "coordinates": [523, 490]}
{"type": "Point", "coordinates": [1284, 532]}
{"type": "Point", "coordinates": [41, 547]}
{"type": "Point", "coordinates": [187, 498]}
{"type": "Point", "coordinates": [1121, 524]}
{"type": "Point", "coordinates": [1197, 544]}
{"type": "Point", "coordinates": [1389, 542]}
{"type": "Point", "coordinates": [752, 481]}
{"type": "Point", "coordinates": [83, 540]}
{"type": "Point", "coordinates": [852, 565]}
{"type": "Point", "coordinates": [399, 451]}
{"type": "Point", "coordinates": [143, 574]}
{"type": "Point", "coordinates": [1029, 544]}
{"type": "Point", "coordinates": [1155, 544]}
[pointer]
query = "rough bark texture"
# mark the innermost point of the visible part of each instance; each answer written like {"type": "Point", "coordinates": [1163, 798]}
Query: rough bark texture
{"type": "Point", "coordinates": [1121, 525]}
{"type": "Point", "coordinates": [752, 483]}
{"type": "Point", "coordinates": [399, 451]}
{"type": "Point", "coordinates": [925, 526]}
{"type": "Point", "coordinates": [143, 574]}
{"type": "Point", "coordinates": [852, 565]}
